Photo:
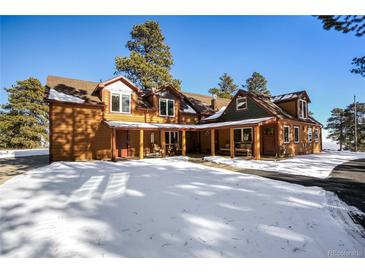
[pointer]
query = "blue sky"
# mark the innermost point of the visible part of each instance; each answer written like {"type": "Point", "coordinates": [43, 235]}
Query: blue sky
{"type": "Point", "coordinates": [292, 52]}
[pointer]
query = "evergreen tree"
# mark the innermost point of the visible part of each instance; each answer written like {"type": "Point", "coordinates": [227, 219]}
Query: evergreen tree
{"type": "Point", "coordinates": [349, 114]}
{"type": "Point", "coordinates": [24, 119]}
{"type": "Point", "coordinates": [150, 59]}
{"type": "Point", "coordinates": [336, 126]}
{"type": "Point", "coordinates": [257, 84]}
{"type": "Point", "coordinates": [341, 126]}
{"type": "Point", "coordinates": [346, 24]}
{"type": "Point", "coordinates": [227, 87]}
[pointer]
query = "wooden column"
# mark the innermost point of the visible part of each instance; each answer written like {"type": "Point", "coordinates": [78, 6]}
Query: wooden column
{"type": "Point", "coordinates": [212, 142]}
{"type": "Point", "coordinates": [141, 148]}
{"type": "Point", "coordinates": [113, 144]}
{"type": "Point", "coordinates": [231, 142]}
{"type": "Point", "coordinates": [163, 143]}
{"type": "Point", "coordinates": [183, 142]}
{"type": "Point", "coordinates": [257, 143]}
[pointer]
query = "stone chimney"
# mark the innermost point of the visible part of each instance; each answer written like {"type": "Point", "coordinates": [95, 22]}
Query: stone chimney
{"type": "Point", "coordinates": [213, 103]}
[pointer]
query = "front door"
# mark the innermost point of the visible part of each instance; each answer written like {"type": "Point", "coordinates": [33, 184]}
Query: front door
{"type": "Point", "coordinates": [268, 140]}
{"type": "Point", "coordinates": [122, 143]}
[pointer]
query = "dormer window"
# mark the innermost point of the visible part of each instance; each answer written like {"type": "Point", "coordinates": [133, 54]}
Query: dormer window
{"type": "Point", "coordinates": [167, 107]}
{"type": "Point", "coordinates": [302, 109]}
{"type": "Point", "coordinates": [241, 103]}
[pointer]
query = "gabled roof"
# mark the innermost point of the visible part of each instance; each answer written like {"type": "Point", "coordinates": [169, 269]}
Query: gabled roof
{"type": "Point", "coordinates": [290, 96]}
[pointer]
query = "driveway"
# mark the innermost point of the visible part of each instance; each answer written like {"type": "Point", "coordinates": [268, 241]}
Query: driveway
{"type": "Point", "coordinates": [10, 167]}
{"type": "Point", "coordinates": [168, 208]}
{"type": "Point", "coordinates": [347, 180]}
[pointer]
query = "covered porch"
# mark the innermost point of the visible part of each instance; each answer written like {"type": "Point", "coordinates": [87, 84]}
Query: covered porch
{"type": "Point", "coordinates": [140, 140]}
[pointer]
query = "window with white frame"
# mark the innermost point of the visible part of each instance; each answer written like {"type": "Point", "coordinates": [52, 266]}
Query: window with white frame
{"type": "Point", "coordinates": [316, 135]}
{"type": "Point", "coordinates": [243, 135]}
{"type": "Point", "coordinates": [120, 102]}
{"type": "Point", "coordinates": [167, 107]}
{"type": "Point", "coordinates": [296, 135]}
{"type": "Point", "coordinates": [310, 135]}
{"type": "Point", "coordinates": [286, 134]}
{"type": "Point", "coordinates": [302, 109]}
{"type": "Point", "coordinates": [171, 137]}
{"type": "Point", "coordinates": [241, 103]}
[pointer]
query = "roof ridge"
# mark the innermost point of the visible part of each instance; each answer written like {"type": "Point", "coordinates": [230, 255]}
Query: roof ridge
{"type": "Point", "coordinates": [69, 78]}
{"type": "Point", "coordinates": [205, 95]}
{"type": "Point", "coordinates": [289, 93]}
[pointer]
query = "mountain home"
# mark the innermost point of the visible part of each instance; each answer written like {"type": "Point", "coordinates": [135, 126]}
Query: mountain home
{"type": "Point", "coordinates": [115, 119]}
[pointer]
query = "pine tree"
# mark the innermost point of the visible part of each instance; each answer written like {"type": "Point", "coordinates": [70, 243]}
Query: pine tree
{"type": "Point", "coordinates": [150, 59]}
{"type": "Point", "coordinates": [349, 114]}
{"type": "Point", "coordinates": [257, 84]}
{"type": "Point", "coordinates": [24, 119]}
{"type": "Point", "coordinates": [346, 24]}
{"type": "Point", "coordinates": [227, 87]}
{"type": "Point", "coordinates": [336, 126]}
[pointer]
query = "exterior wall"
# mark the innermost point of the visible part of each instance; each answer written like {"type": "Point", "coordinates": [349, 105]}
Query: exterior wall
{"type": "Point", "coordinates": [303, 147]}
{"type": "Point", "coordinates": [223, 140]}
{"type": "Point", "coordinates": [150, 116]}
{"type": "Point", "coordinates": [205, 141]}
{"type": "Point", "coordinates": [77, 133]}
{"type": "Point", "coordinates": [252, 111]}
{"type": "Point", "coordinates": [189, 119]}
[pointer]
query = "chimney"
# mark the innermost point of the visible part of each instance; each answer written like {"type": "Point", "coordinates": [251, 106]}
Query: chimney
{"type": "Point", "coordinates": [213, 103]}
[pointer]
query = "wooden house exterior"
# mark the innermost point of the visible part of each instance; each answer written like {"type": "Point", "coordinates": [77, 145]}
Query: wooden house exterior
{"type": "Point", "coordinates": [115, 119]}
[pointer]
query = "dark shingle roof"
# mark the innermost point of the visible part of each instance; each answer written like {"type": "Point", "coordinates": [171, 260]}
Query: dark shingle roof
{"type": "Point", "coordinates": [79, 88]}
{"type": "Point", "coordinates": [202, 103]}
{"type": "Point", "coordinates": [289, 96]}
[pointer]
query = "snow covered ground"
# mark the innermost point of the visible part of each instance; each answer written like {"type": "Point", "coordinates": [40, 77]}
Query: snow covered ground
{"type": "Point", "coordinates": [315, 165]}
{"type": "Point", "coordinates": [23, 152]}
{"type": "Point", "coordinates": [168, 208]}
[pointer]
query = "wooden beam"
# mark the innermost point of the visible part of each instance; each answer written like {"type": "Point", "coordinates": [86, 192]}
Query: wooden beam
{"type": "Point", "coordinates": [163, 143]}
{"type": "Point", "coordinates": [212, 142]}
{"type": "Point", "coordinates": [183, 142]}
{"type": "Point", "coordinates": [257, 143]}
{"type": "Point", "coordinates": [141, 148]}
{"type": "Point", "coordinates": [113, 144]}
{"type": "Point", "coordinates": [231, 142]}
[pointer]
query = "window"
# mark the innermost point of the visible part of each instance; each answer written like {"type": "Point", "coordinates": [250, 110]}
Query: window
{"type": "Point", "coordinates": [167, 107]}
{"type": "Point", "coordinates": [316, 135]}
{"type": "Point", "coordinates": [241, 103]}
{"type": "Point", "coordinates": [296, 135]}
{"type": "Point", "coordinates": [120, 103]}
{"type": "Point", "coordinates": [171, 137]}
{"type": "Point", "coordinates": [286, 134]}
{"type": "Point", "coordinates": [152, 137]}
{"type": "Point", "coordinates": [310, 135]}
{"type": "Point", "coordinates": [303, 110]}
{"type": "Point", "coordinates": [243, 135]}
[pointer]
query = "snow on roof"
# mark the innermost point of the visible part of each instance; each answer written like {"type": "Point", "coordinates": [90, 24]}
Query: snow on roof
{"type": "Point", "coordinates": [62, 97]}
{"type": "Point", "coordinates": [189, 109]}
{"type": "Point", "coordinates": [140, 125]}
{"type": "Point", "coordinates": [216, 115]}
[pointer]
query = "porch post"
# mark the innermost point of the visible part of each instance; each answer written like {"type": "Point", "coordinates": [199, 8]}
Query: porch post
{"type": "Point", "coordinates": [212, 142]}
{"type": "Point", "coordinates": [257, 143]}
{"type": "Point", "coordinates": [231, 142]}
{"type": "Point", "coordinates": [163, 143]}
{"type": "Point", "coordinates": [113, 144]}
{"type": "Point", "coordinates": [183, 142]}
{"type": "Point", "coordinates": [141, 144]}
